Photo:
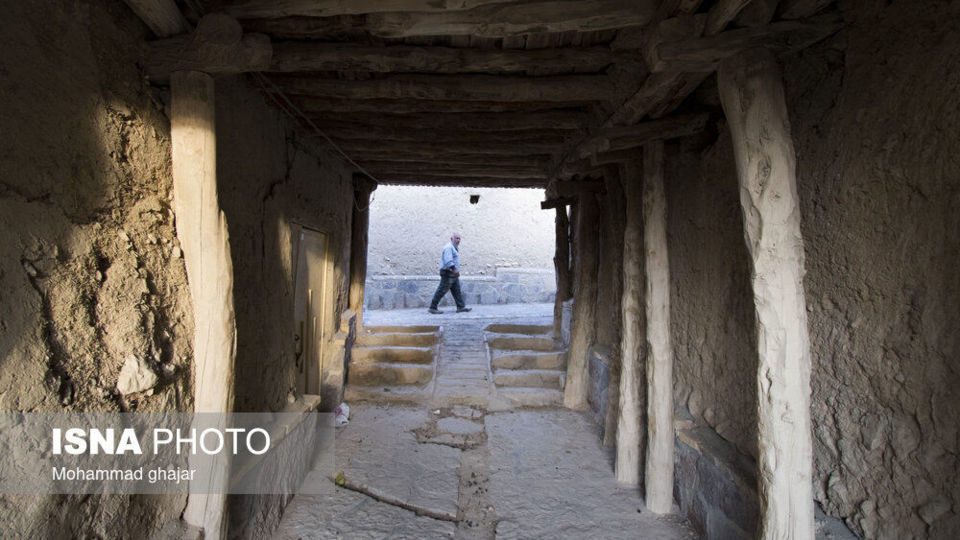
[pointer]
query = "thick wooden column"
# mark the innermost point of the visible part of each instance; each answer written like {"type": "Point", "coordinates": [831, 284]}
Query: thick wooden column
{"type": "Point", "coordinates": [561, 263]}
{"type": "Point", "coordinates": [202, 232]}
{"type": "Point", "coordinates": [627, 466]}
{"type": "Point", "coordinates": [751, 90]}
{"type": "Point", "coordinates": [659, 463]}
{"type": "Point", "coordinates": [583, 328]}
{"type": "Point", "coordinates": [360, 226]}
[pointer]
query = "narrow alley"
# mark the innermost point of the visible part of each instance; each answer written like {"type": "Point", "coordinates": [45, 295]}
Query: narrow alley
{"type": "Point", "coordinates": [462, 462]}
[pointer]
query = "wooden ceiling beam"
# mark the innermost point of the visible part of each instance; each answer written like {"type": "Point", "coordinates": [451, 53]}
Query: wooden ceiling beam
{"type": "Point", "coordinates": [553, 120]}
{"type": "Point", "coordinates": [457, 172]}
{"type": "Point", "coordinates": [560, 88]}
{"type": "Point", "coordinates": [705, 53]}
{"type": "Point", "coordinates": [541, 161]}
{"type": "Point", "coordinates": [466, 181]}
{"type": "Point", "coordinates": [163, 17]}
{"type": "Point", "coordinates": [505, 148]}
{"type": "Point", "coordinates": [330, 8]}
{"type": "Point", "coordinates": [297, 56]}
{"type": "Point", "coordinates": [310, 105]}
{"type": "Point", "coordinates": [621, 138]}
{"type": "Point", "coordinates": [433, 136]}
{"type": "Point", "coordinates": [493, 21]}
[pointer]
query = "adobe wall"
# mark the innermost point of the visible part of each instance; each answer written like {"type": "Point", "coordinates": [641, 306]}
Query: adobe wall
{"type": "Point", "coordinates": [409, 225]}
{"type": "Point", "coordinates": [90, 266]}
{"type": "Point", "coordinates": [89, 261]}
{"type": "Point", "coordinates": [874, 111]}
{"type": "Point", "coordinates": [271, 183]}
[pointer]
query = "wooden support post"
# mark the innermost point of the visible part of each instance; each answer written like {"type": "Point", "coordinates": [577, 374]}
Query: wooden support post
{"type": "Point", "coordinates": [362, 187]}
{"type": "Point", "coordinates": [561, 262]}
{"type": "Point", "coordinates": [752, 94]}
{"type": "Point", "coordinates": [583, 329]}
{"type": "Point", "coordinates": [627, 466]}
{"type": "Point", "coordinates": [202, 232]}
{"type": "Point", "coordinates": [659, 462]}
{"type": "Point", "coordinates": [609, 319]}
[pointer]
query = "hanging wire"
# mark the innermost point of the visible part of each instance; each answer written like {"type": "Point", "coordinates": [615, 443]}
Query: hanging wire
{"type": "Point", "coordinates": [294, 112]}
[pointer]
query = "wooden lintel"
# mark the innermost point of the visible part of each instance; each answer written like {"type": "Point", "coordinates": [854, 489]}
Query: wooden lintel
{"type": "Point", "coordinates": [452, 158]}
{"type": "Point", "coordinates": [217, 47]}
{"type": "Point", "coordinates": [561, 88]}
{"type": "Point", "coordinates": [557, 202]}
{"type": "Point", "coordinates": [455, 171]}
{"type": "Point", "coordinates": [295, 56]}
{"type": "Point", "coordinates": [473, 181]}
{"type": "Point", "coordinates": [493, 21]}
{"type": "Point", "coordinates": [705, 53]}
{"type": "Point", "coordinates": [620, 138]}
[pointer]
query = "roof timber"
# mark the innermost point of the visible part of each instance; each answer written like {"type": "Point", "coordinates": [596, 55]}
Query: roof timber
{"type": "Point", "coordinates": [445, 180]}
{"type": "Point", "coordinates": [293, 56]}
{"type": "Point", "coordinates": [553, 120]}
{"type": "Point", "coordinates": [456, 87]}
{"type": "Point", "coordinates": [493, 148]}
{"type": "Point", "coordinates": [436, 157]}
{"type": "Point", "coordinates": [495, 21]}
{"type": "Point", "coordinates": [329, 8]}
{"type": "Point", "coordinates": [161, 16]}
{"type": "Point", "coordinates": [621, 138]}
{"type": "Point", "coordinates": [432, 136]}
{"type": "Point", "coordinates": [407, 106]}
{"type": "Point", "coordinates": [457, 171]}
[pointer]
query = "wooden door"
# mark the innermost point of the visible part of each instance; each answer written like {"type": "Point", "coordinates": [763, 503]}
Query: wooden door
{"type": "Point", "coordinates": [309, 309]}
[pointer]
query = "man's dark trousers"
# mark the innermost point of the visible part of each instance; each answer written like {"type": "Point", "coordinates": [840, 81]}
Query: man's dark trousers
{"type": "Point", "coordinates": [448, 282]}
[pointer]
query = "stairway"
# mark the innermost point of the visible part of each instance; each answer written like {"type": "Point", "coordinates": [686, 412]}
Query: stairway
{"type": "Point", "coordinates": [527, 363]}
{"type": "Point", "coordinates": [392, 360]}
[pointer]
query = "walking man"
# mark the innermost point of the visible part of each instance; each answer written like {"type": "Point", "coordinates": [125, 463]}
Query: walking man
{"type": "Point", "coordinates": [449, 276]}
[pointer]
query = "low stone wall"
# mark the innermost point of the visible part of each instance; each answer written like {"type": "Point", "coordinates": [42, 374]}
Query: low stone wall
{"type": "Point", "coordinates": [715, 486]}
{"type": "Point", "coordinates": [599, 390]}
{"type": "Point", "coordinates": [506, 286]}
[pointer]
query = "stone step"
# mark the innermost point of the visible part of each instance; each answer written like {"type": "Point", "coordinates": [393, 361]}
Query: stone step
{"type": "Point", "coordinates": [400, 329]}
{"type": "Point", "coordinates": [397, 339]}
{"type": "Point", "coordinates": [380, 374]}
{"type": "Point", "coordinates": [533, 397]}
{"type": "Point", "coordinates": [528, 329]}
{"type": "Point", "coordinates": [529, 360]}
{"type": "Point", "coordinates": [386, 393]}
{"type": "Point", "coordinates": [530, 378]}
{"type": "Point", "coordinates": [519, 342]}
{"type": "Point", "coordinates": [399, 355]}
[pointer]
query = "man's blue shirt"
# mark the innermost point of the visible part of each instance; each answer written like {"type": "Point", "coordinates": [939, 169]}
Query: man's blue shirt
{"type": "Point", "coordinates": [450, 258]}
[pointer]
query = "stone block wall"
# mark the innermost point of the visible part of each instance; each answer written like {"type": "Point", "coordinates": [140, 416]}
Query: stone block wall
{"type": "Point", "coordinates": [507, 286]}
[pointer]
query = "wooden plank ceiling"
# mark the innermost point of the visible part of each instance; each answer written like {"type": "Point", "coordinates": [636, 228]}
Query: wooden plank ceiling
{"type": "Point", "coordinates": [505, 93]}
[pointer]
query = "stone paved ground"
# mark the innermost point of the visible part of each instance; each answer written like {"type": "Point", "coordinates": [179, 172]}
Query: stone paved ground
{"type": "Point", "coordinates": [464, 467]}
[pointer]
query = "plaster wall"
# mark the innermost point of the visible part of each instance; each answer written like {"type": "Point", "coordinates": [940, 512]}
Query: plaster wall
{"type": "Point", "coordinates": [409, 225]}
{"type": "Point", "coordinates": [870, 109]}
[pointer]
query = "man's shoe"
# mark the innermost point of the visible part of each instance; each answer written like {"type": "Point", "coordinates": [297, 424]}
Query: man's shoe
{"type": "Point", "coordinates": [463, 309]}
{"type": "Point", "coordinates": [435, 311]}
